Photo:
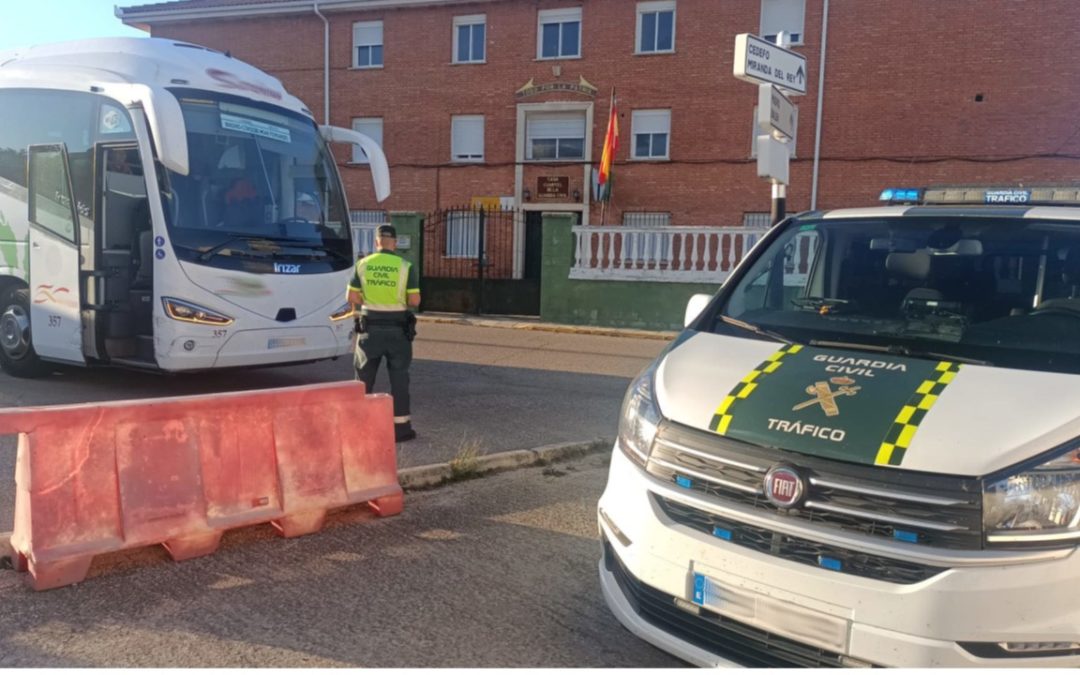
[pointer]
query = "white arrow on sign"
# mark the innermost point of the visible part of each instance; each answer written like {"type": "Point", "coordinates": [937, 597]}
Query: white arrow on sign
{"type": "Point", "coordinates": [762, 62]}
{"type": "Point", "coordinates": [776, 112]}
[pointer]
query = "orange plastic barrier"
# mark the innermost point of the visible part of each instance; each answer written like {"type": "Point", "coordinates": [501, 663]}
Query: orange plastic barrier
{"type": "Point", "coordinates": [98, 478]}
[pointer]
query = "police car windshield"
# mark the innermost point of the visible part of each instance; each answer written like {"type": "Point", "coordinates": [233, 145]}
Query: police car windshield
{"type": "Point", "coordinates": [999, 290]}
{"type": "Point", "coordinates": [256, 172]}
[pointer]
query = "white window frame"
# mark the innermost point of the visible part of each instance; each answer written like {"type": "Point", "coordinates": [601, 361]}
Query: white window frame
{"type": "Point", "coordinates": [557, 16]}
{"type": "Point", "coordinates": [802, 20]}
{"type": "Point", "coordinates": [469, 20]}
{"type": "Point", "coordinates": [459, 154]}
{"type": "Point", "coordinates": [656, 6]}
{"type": "Point", "coordinates": [462, 234]}
{"type": "Point", "coordinates": [356, 44]}
{"type": "Point", "coordinates": [756, 131]}
{"type": "Point", "coordinates": [639, 118]}
{"type": "Point", "coordinates": [358, 156]}
{"type": "Point", "coordinates": [529, 138]}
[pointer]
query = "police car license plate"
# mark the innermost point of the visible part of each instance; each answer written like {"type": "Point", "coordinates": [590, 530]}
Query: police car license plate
{"type": "Point", "coordinates": [776, 616]}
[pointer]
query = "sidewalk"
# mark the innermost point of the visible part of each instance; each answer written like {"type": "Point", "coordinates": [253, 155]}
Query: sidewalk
{"type": "Point", "coordinates": [533, 323]}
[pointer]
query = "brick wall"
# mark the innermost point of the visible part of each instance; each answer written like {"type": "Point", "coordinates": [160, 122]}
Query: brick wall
{"type": "Point", "coordinates": [901, 84]}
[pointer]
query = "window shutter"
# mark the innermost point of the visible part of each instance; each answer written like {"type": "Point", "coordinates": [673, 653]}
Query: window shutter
{"type": "Point", "coordinates": [467, 137]}
{"type": "Point", "coordinates": [556, 125]}
{"type": "Point", "coordinates": [367, 33]}
{"type": "Point", "coordinates": [372, 128]}
{"type": "Point", "coordinates": [651, 121]}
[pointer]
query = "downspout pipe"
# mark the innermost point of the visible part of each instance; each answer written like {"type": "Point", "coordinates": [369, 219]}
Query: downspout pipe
{"type": "Point", "coordinates": [326, 62]}
{"type": "Point", "coordinates": [820, 100]}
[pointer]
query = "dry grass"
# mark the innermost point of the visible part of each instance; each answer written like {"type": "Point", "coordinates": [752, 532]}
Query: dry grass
{"type": "Point", "coordinates": [464, 463]}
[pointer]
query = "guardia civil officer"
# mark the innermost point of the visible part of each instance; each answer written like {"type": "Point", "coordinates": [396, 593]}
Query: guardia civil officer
{"type": "Point", "coordinates": [385, 286]}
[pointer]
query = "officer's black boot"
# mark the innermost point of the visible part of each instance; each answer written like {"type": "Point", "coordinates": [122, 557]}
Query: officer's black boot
{"type": "Point", "coordinates": [403, 431]}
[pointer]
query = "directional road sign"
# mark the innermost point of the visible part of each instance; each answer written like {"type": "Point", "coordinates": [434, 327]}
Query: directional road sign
{"type": "Point", "coordinates": [762, 62]}
{"type": "Point", "coordinates": [776, 112]}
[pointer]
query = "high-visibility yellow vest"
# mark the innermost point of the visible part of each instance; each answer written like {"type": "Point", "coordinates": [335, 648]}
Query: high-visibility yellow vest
{"type": "Point", "coordinates": [383, 278]}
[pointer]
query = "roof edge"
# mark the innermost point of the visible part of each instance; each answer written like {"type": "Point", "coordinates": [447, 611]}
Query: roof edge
{"type": "Point", "coordinates": [133, 17]}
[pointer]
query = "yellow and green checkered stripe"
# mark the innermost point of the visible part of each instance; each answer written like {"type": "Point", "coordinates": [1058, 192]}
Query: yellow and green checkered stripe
{"type": "Point", "coordinates": [721, 420]}
{"type": "Point", "coordinates": [902, 431]}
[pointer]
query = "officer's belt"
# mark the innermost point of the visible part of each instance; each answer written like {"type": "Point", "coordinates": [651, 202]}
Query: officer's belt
{"type": "Point", "coordinates": [386, 318]}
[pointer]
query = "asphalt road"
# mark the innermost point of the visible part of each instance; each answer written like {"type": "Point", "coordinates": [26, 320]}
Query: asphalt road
{"type": "Point", "coordinates": [490, 388]}
{"type": "Point", "coordinates": [494, 572]}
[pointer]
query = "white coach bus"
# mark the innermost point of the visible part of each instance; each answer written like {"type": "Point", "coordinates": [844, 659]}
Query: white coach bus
{"type": "Point", "coordinates": [165, 206]}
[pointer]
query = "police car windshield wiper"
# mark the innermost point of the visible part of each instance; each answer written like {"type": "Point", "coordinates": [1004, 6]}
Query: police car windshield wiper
{"type": "Point", "coordinates": [899, 350]}
{"type": "Point", "coordinates": [756, 330]}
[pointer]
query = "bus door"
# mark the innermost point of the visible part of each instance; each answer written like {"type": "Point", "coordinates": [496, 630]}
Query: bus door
{"type": "Point", "coordinates": [122, 289]}
{"type": "Point", "coordinates": [55, 261]}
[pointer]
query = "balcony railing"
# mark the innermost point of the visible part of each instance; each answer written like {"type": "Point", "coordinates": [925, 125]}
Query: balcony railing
{"type": "Point", "coordinates": [675, 254]}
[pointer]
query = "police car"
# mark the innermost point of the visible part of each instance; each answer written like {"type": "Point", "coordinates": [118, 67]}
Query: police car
{"type": "Point", "coordinates": [865, 448]}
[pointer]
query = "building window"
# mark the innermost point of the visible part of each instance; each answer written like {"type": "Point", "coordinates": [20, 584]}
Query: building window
{"type": "Point", "coordinates": [467, 138]}
{"type": "Point", "coordinates": [783, 15]}
{"type": "Point", "coordinates": [757, 219]}
{"type": "Point", "coordinates": [651, 129]}
{"type": "Point", "coordinates": [756, 131]}
{"type": "Point", "coordinates": [462, 234]}
{"type": "Point", "coordinates": [363, 230]}
{"type": "Point", "coordinates": [656, 27]}
{"type": "Point", "coordinates": [555, 136]}
{"type": "Point", "coordinates": [370, 127]}
{"type": "Point", "coordinates": [646, 219]}
{"type": "Point", "coordinates": [469, 34]}
{"type": "Point", "coordinates": [367, 44]}
{"type": "Point", "coordinates": [559, 34]}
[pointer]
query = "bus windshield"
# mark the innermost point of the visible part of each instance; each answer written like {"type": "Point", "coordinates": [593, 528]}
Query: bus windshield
{"type": "Point", "coordinates": [261, 188]}
{"type": "Point", "coordinates": [995, 290]}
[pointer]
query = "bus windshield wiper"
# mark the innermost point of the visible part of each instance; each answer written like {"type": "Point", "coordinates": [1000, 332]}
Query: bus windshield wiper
{"type": "Point", "coordinates": [756, 330]}
{"type": "Point", "coordinates": [232, 239]}
{"type": "Point", "coordinates": [900, 350]}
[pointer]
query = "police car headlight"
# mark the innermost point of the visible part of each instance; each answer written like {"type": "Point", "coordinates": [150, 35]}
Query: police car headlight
{"type": "Point", "coordinates": [192, 313]}
{"type": "Point", "coordinates": [343, 312]}
{"type": "Point", "coordinates": [640, 418]}
{"type": "Point", "coordinates": [1039, 506]}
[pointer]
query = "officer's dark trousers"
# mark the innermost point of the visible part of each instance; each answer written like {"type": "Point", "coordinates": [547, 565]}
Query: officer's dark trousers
{"type": "Point", "coordinates": [388, 341]}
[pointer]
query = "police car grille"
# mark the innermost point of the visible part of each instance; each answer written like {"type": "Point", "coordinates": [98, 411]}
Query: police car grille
{"type": "Point", "coordinates": [798, 549]}
{"type": "Point", "coordinates": [927, 509]}
{"type": "Point", "coordinates": [731, 639]}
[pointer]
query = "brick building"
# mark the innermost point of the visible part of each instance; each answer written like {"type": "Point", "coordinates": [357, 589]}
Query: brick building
{"type": "Point", "coordinates": [509, 98]}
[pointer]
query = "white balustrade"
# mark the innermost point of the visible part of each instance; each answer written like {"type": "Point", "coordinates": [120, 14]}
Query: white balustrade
{"type": "Point", "coordinates": [675, 254]}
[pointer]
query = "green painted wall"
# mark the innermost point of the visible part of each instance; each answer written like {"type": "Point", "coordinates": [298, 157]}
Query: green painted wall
{"type": "Point", "coordinates": [622, 304]}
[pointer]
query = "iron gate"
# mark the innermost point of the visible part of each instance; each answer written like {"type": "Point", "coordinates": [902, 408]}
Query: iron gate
{"type": "Point", "coordinates": [480, 261]}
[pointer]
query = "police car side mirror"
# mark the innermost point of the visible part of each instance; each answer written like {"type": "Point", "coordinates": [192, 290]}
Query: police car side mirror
{"type": "Point", "coordinates": [696, 305]}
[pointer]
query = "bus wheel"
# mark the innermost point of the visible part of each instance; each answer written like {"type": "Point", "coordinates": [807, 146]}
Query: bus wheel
{"type": "Point", "coordinates": [17, 356]}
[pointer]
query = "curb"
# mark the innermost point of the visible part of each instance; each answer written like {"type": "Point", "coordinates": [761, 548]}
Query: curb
{"type": "Point", "coordinates": [434, 475]}
{"type": "Point", "coordinates": [431, 476]}
{"type": "Point", "coordinates": [549, 327]}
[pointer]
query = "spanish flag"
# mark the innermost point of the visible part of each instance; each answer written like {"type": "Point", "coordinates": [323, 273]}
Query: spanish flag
{"type": "Point", "coordinates": [607, 157]}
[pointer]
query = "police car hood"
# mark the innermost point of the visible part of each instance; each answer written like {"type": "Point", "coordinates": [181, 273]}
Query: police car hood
{"type": "Point", "coordinates": [867, 408]}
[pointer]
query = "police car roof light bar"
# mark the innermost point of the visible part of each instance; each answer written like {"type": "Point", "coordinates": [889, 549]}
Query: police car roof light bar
{"type": "Point", "coordinates": [1048, 195]}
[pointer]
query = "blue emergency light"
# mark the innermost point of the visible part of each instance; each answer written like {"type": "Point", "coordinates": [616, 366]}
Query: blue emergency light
{"type": "Point", "coordinates": [901, 195]}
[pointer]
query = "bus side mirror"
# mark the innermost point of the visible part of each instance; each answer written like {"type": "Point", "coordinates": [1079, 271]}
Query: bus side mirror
{"type": "Point", "coordinates": [380, 170]}
{"type": "Point", "coordinates": [694, 308]}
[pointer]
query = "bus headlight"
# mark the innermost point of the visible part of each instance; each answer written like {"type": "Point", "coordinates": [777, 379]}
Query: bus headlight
{"type": "Point", "coordinates": [1037, 506]}
{"type": "Point", "coordinates": [343, 312]}
{"type": "Point", "coordinates": [640, 418]}
{"type": "Point", "coordinates": [192, 313]}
